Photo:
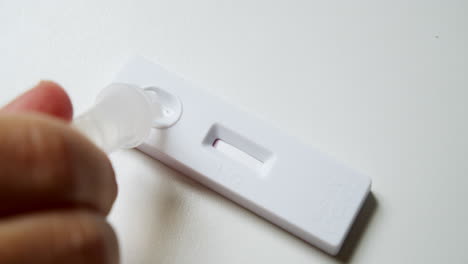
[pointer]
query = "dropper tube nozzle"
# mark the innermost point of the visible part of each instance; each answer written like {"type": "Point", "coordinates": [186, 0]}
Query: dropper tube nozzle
{"type": "Point", "coordinates": [122, 117]}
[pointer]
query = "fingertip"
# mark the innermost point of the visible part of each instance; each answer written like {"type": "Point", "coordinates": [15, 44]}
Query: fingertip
{"type": "Point", "coordinates": [60, 104]}
{"type": "Point", "coordinates": [57, 165]}
{"type": "Point", "coordinates": [46, 97]}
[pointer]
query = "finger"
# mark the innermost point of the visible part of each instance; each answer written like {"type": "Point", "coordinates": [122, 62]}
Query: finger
{"type": "Point", "coordinates": [44, 163]}
{"type": "Point", "coordinates": [58, 237]}
{"type": "Point", "coordinates": [46, 97]}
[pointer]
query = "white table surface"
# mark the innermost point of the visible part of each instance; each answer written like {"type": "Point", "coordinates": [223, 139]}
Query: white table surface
{"type": "Point", "coordinates": [380, 85]}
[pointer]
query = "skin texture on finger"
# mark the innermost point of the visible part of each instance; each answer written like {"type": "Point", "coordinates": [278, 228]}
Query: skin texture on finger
{"type": "Point", "coordinates": [72, 237]}
{"type": "Point", "coordinates": [44, 163]}
{"type": "Point", "coordinates": [46, 97]}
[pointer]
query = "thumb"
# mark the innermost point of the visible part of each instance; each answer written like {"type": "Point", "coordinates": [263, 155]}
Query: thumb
{"type": "Point", "coordinates": [46, 97]}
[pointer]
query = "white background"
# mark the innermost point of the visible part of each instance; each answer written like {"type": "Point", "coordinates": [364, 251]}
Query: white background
{"type": "Point", "coordinates": [380, 85]}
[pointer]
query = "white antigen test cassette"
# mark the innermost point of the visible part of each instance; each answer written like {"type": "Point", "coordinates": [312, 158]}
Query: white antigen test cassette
{"type": "Point", "coordinates": [252, 163]}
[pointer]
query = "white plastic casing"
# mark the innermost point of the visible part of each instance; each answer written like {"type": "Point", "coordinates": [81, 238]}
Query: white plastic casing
{"type": "Point", "coordinates": [286, 182]}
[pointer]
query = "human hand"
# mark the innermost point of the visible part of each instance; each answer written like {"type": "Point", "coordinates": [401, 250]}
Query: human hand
{"type": "Point", "coordinates": [56, 187]}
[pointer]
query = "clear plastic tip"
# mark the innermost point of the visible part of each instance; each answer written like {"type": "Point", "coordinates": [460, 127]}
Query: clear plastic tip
{"type": "Point", "coordinates": [124, 114]}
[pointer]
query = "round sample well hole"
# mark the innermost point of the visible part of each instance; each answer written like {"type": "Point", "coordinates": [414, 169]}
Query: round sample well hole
{"type": "Point", "coordinates": [169, 104]}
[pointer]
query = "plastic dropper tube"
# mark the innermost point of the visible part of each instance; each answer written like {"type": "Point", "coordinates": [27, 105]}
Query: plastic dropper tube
{"type": "Point", "coordinates": [124, 114]}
